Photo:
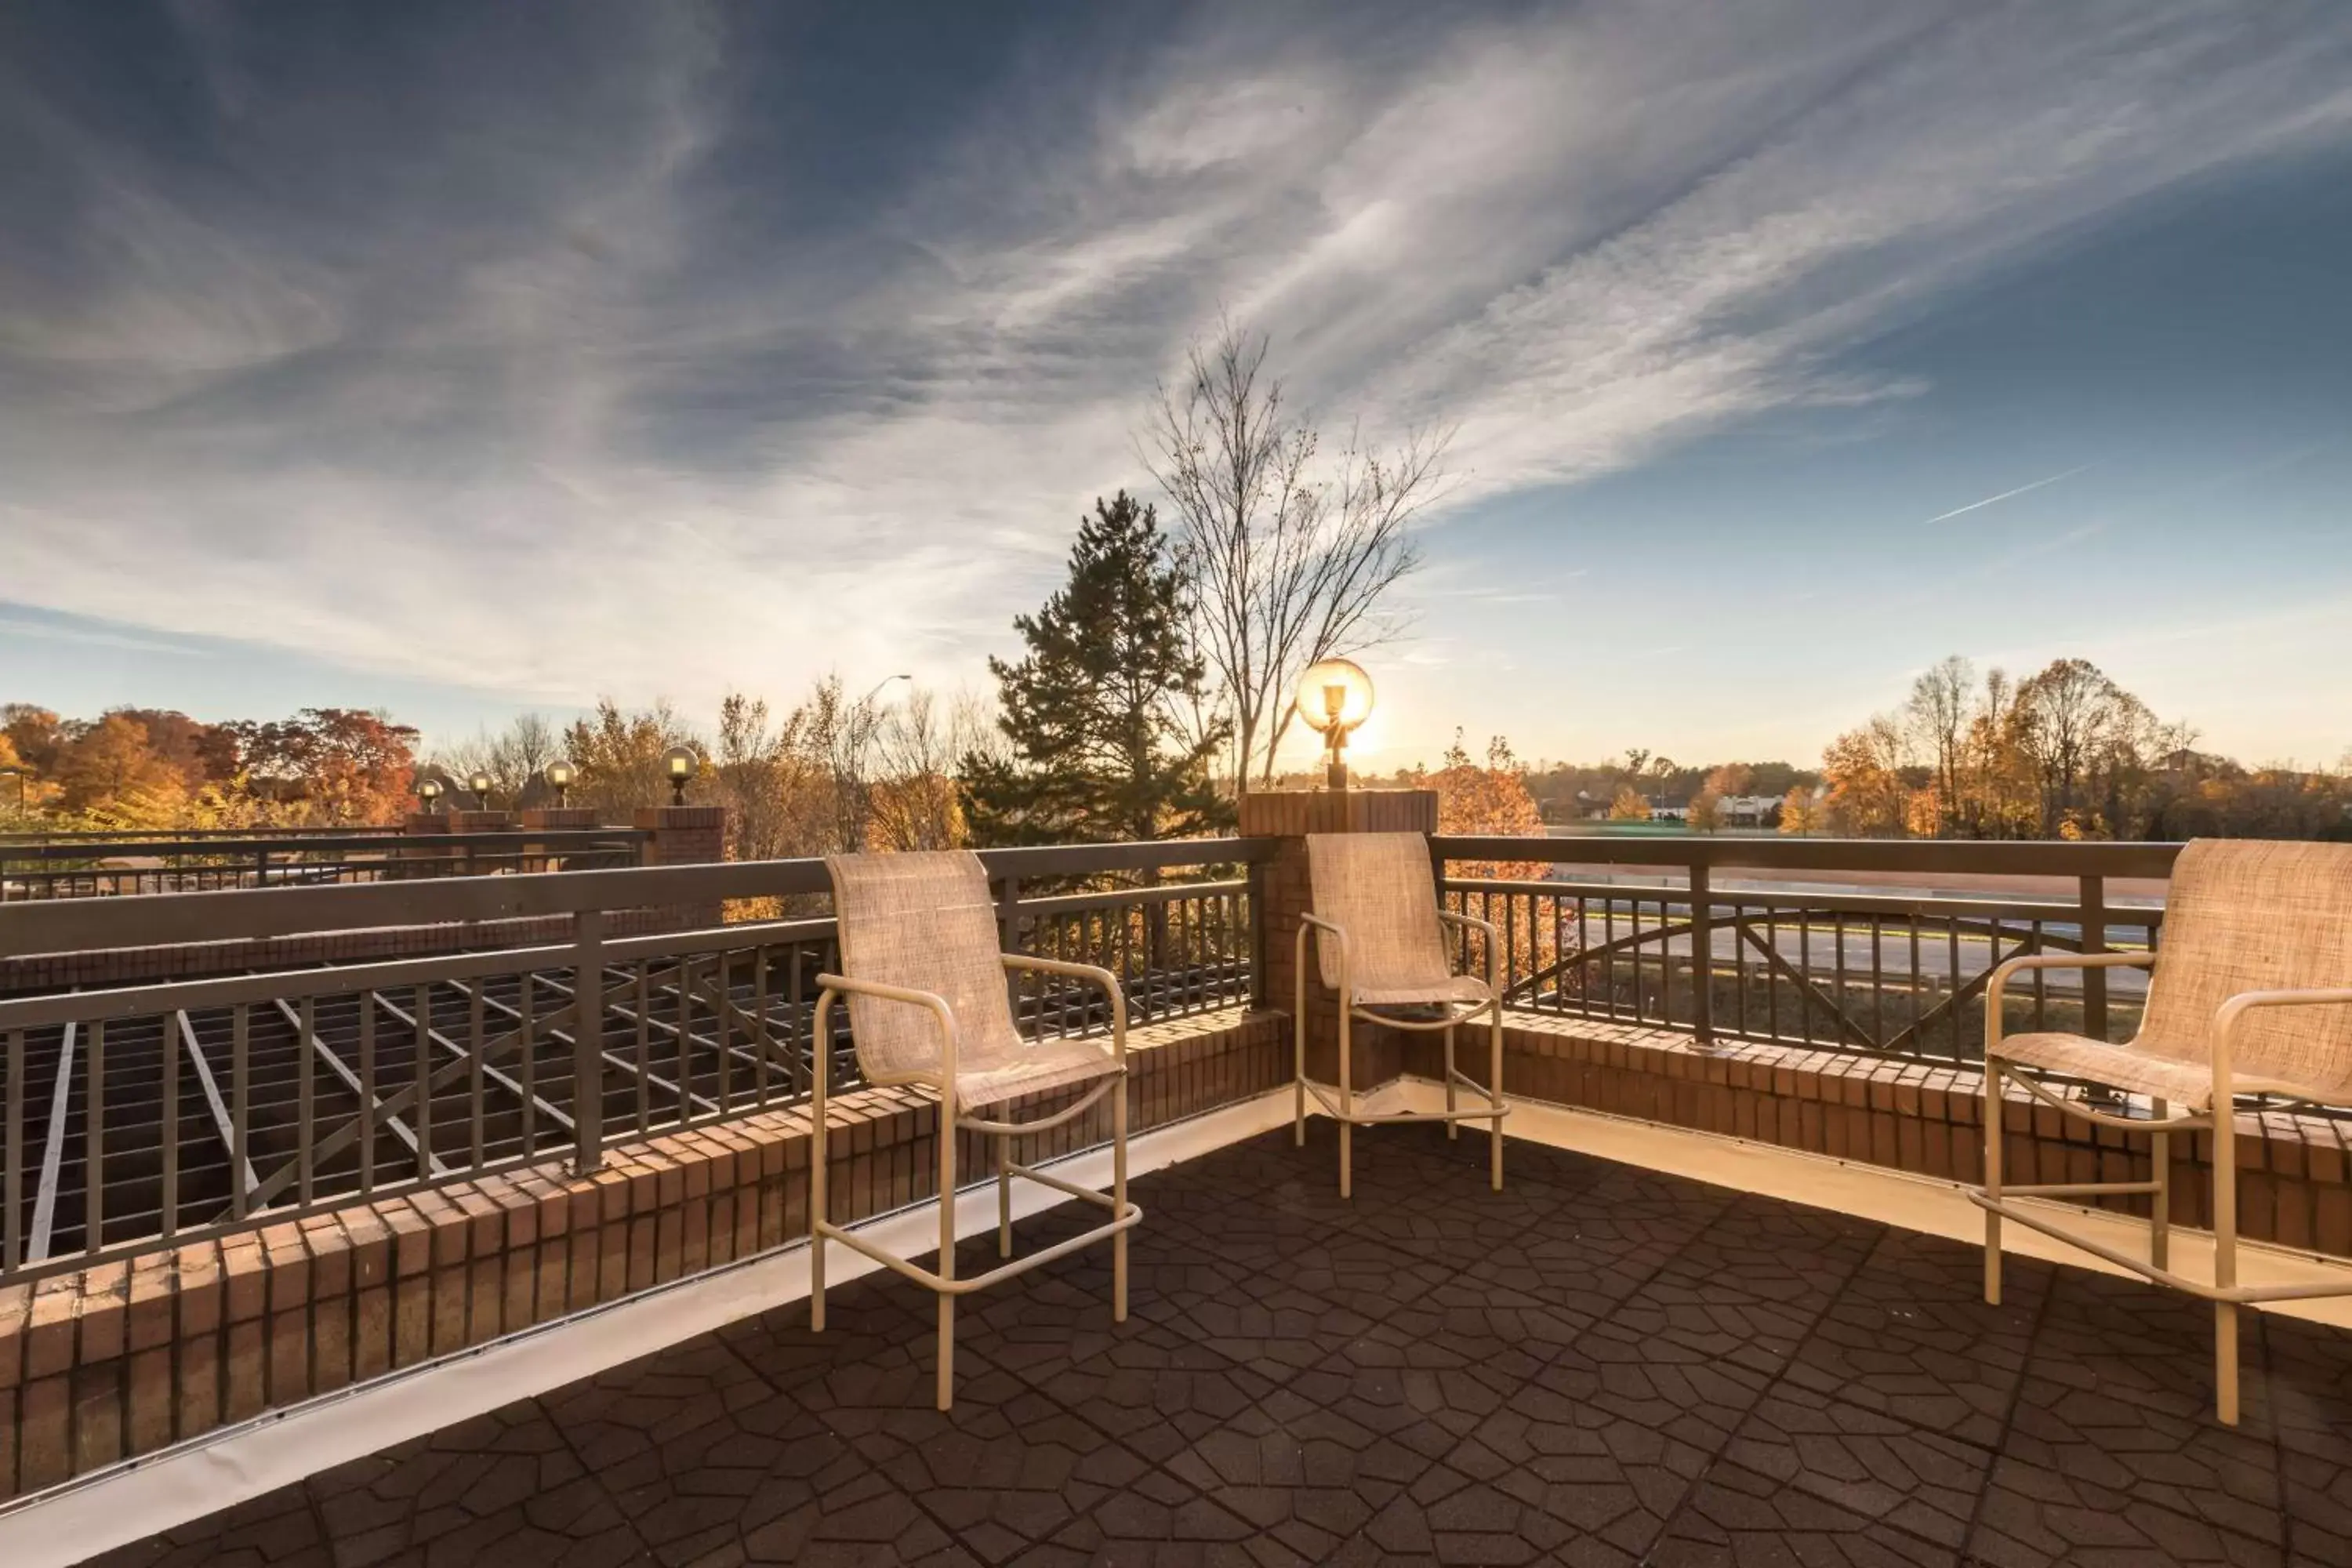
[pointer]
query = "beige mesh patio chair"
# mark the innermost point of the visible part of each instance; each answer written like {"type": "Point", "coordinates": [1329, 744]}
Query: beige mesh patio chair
{"type": "Point", "coordinates": [929, 1005]}
{"type": "Point", "coordinates": [1380, 940]}
{"type": "Point", "coordinates": [2249, 993]}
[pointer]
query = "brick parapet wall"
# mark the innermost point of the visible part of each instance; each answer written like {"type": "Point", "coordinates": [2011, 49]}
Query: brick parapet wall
{"type": "Point", "coordinates": [124, 1359]}
{"type": "Point", "coordinates": [2295, 1179]}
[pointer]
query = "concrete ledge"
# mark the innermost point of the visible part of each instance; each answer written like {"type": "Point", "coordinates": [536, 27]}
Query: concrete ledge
{"type": "Point", "coordinates": [128, 1358]}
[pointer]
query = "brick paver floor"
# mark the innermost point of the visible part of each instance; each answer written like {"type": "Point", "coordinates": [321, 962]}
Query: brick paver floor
{"type": "Point", "coordinates": [1599, 1366]}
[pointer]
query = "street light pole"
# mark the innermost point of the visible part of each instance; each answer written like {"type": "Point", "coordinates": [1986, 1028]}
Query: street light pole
{"type": "Point", "coordinates": [879, 685]}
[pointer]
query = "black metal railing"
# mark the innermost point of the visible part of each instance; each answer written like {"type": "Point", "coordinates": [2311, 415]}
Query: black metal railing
{"type": "Point", "coordinates": [110, 865]}
{"type": "Point", "coordinates": [137, 1118]}
{"type": "Point", "coordinates": [1757, 940]}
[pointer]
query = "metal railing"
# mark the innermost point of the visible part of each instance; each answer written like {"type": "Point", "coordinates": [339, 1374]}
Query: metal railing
{"type": "Point", "coordinates": [109, 865]}
{"type": "Point", "coordinates": [1756, 940]}
{"type": "Point", "coordinates": [136, 1119]}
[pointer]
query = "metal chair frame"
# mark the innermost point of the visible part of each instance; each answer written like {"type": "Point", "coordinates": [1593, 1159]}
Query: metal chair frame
{"type": "Point", "coordinates": [1996, 1197]}
{"type": "Point", "coordinates": [1343, 1110]}
{"type": "Point", "coordinates": [943, 1282]}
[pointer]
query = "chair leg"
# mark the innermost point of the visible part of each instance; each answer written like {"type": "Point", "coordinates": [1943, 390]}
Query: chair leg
{"type": "Point", "coordinates": [1495, 1095]}
{"type": "Point", "coordinates": [1119, 1200]}
{"type": "Point", "coordinates": [1992, 1180]}
{"type": "Point", "coordinates": [947, 1247]}
{"type": "Point", "coordinates": [1004, 1194]}
{"type": "Point", "coordinates": [1346, 1107]}
{"type": "Point", "coordinates": [816, 1193]}
{"type": "Point", "coordinates": [1453, 1128]}
{"type": "Point", "coordinates": [2159, 1213]}
{"type": "Point", "coordinates": [1298, 1047]}
{"type": "Point", "coordinates": [2225, 1261]}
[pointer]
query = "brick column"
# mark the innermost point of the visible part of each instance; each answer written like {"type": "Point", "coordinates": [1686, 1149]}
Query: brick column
{"type": "Point", "coordinates": [1289, 817]}
{"type": "Point", "coordinates": [560, 819]}
{"type": "Point", "coordinates": [686, 836]}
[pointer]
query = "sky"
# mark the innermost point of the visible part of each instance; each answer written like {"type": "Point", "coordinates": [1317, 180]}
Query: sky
{"type": "Point", "coordinates": [467, 359]}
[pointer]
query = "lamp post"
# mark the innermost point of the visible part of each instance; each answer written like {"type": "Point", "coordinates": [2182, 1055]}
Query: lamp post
{"type": "Point", "coordinates": [428, 793]}
{"type": "Point", "coordinates": [1334, 697]}
{"type": "Point", "coordinates": [559, 776]}
{"type": "Point", "coordinates": [480, 785]}
{"type": "Point", "coordinates": [878, 686]}
{"type": "Point", "coordinates": [679, 764]}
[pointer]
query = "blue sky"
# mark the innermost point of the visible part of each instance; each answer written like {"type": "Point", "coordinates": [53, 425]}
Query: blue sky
{"type": "Point", "coordinates": [460, 360]}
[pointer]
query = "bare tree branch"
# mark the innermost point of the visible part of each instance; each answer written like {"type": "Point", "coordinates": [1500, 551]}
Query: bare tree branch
{"type": "Point", "coordinates": [1287, 561]}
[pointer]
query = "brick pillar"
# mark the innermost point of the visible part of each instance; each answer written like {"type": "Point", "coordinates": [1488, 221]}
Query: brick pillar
{"type": "Point", "coordinates": [1288, 817]}
{"type": "Point", "coordinates": [560, 819]}
{"type": "Point", "coordinates": [686, 836]}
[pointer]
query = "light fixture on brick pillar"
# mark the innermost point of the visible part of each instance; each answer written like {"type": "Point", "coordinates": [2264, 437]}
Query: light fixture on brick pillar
{"type": "Point", "coordinates": [480, 785]}
{"type": "Point", "coordinates": [559, 776]}
{"type": "Point", "coordinates": [428, 792]}
{"type": "Point", "coordinates": [679, 764]}
{"type": "Point", "coordinates": [1334, 697]}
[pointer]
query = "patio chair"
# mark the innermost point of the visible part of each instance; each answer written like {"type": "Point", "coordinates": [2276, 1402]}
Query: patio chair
{"type": "Point", "coordinates": [1382, 947]}
{"type": "Point", "coordinates": [929, 1005]}
{"type": "Point", "coordinates": [2250, 993]}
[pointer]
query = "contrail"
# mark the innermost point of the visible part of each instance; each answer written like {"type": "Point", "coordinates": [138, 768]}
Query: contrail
{"type": "Point", "coordinates": [2005, 495]}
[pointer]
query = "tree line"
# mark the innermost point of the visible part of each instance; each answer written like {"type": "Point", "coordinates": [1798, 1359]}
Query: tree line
{"type": "Point", "coordinates": [143, 768]}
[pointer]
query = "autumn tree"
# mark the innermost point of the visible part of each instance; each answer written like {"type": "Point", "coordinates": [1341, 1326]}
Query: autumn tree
{"type": "Point", "coordinates": [1093, 713]}
{"type": "Point", "coordinates": [1801, 812]}
{"type": "Point", "coordinates": [1938, 711]}
{"type": "Point", "coordinates": [1629, 804]}
{"type": "Point", "coordinates": [619, 756]}
{"type": "Point", "coordinates": [331, 764]}
{"type": "Point", "coordinates": [1286, 558]}
{"type": "Point", "coordinates": [1867, 796]}
{"type": "Point", "coordinates": [1490, 799]}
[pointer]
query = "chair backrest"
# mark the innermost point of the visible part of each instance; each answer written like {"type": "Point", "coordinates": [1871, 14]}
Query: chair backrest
{"type": "Point", "coordinates": [2247, 915]}
{"type": "Point", "coordinates": [1381, 890]}
{"type": "Point", "coordinates": [924, 921]}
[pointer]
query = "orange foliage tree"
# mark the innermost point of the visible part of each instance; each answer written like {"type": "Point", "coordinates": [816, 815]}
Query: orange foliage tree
{"type": "Point", "coordinates": [1492, 799]}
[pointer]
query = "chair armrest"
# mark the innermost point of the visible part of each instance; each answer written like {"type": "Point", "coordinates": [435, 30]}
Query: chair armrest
{"type": "Point", "coordinates": [1100, 977]}
{"type": "Point", "coordinates": [1494, 944]}
{"type": "Point", "coordinates": [830, 983]}
{"type": "Point", "coordinates": [1999, 983]}
{"type": "Point", "coordinates": [1311, 922]}
{"type": "Point", "coordinates": [2232, 1012]}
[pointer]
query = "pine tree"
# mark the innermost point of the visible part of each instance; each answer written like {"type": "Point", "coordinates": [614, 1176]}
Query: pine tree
{"type": "Point", "coordinates": [1092, 713]}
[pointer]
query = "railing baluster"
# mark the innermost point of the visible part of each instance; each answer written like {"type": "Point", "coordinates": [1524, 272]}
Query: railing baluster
{"type": "Point", "coordinates": [645, 1044]}
{"type": "Point", "coordinates": [306, 1122]}
{"type": "Point", "coordinates": [367, 1094]}
{"type": "Point", "coordinates": [12, 1224]}
{"type": "Point", "coordinates": [420, 1011]}
{"type": "Point", "coordinates": [474, 1038]}
{"type": "Point", "coordinates": [240, 1069]}
{"type": "Point", "coordinates": [168, 1201]}
{"type": "Point", "coordinates": [527, 1046]}
{"type": "Point", "coordinates": [93, 1230]}
{"type": "Point", "coordinates": [760, 1024]}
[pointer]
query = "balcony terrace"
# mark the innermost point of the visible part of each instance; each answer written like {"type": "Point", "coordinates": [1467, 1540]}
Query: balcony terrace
{"type": "Point", "coordinates": [1602, 1365]}
{"type": "Point", "coordinates": [445, 1217]}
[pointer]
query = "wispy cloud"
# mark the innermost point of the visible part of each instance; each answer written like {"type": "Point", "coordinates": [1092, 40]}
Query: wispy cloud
{"type": "Point", "coordinates": [2008, 495]}
{"type": "Point", "coordinates": [646, 358]}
